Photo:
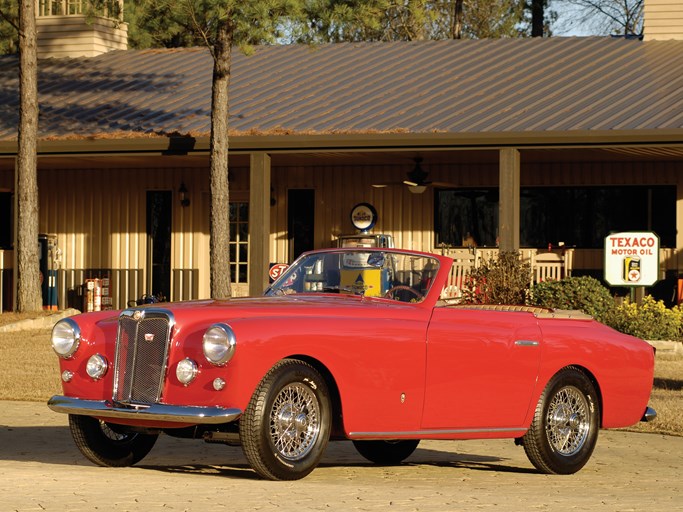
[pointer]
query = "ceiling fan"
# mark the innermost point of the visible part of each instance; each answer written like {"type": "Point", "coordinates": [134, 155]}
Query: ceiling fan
{"type": "Point", "coordinates": [416, 179]}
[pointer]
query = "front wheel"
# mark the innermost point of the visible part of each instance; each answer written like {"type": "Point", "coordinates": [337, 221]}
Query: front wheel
{"type": "Point", "coordinates": [286, 426]}
{"type": "Point", "coordinates": [107, 444]}
{"type": "Point", "coordinates": [565, 427]}
{"type": "Point", "coordinates": [386, 453]}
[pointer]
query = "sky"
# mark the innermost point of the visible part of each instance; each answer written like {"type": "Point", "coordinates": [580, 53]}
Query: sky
{"type": "Point", "coordinates": [563, 27]}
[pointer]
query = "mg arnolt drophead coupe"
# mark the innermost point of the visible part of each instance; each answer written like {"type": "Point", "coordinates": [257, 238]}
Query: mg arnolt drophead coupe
{"type": "Point", "coordinates": [348, 344]}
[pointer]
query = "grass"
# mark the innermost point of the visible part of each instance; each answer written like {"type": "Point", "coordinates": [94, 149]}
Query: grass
{"type": "Point", "coordinates": [10, 318]}
{"type": "Point", "coordinates": [29, 371]}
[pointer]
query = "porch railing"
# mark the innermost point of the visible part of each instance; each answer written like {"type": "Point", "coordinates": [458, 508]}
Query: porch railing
{"type": "Point", "coordinates": [544, 265]}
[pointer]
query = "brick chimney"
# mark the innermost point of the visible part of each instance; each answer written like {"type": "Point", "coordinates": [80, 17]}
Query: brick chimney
{"type": "Point", "coordinates": [70, 28]}
{"type": "Point", "coordinates": [663, 19]}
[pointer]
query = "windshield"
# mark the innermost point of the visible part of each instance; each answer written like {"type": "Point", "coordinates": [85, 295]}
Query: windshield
{"type": "Point", "coordinates": [397, 276]}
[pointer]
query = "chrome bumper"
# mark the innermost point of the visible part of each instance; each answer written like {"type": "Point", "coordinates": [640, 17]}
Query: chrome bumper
{"type": "Point", "coordinates": [147, 412]}
{"type": "Point", "coordinates": [649, 415]}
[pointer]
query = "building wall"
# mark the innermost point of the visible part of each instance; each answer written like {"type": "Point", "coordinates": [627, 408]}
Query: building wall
{"type": "Point", "coordinates": [409, 217]}
{"type": "Point", "coordinates": [663, 19]}
{"type": "Point", "coordinates": [99, 216]}
{"type": "Point", "coordinates": [100, 219]}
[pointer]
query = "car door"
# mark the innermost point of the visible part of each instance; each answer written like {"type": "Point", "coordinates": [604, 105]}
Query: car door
{"type": "Point", "coordinates": [482, 367]}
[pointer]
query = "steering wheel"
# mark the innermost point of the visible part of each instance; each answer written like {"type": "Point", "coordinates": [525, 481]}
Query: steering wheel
{"type": "Point", "coordinates": [402, 287]}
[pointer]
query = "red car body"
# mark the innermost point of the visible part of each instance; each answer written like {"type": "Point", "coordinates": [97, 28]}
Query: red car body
{"type": "Point", "coordinates": [393, 370]}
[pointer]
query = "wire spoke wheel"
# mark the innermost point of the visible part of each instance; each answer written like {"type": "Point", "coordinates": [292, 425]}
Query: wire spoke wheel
{"type": "Point", "coordinates": [565, 426]}
{"type": "Point", "coordinates": [568, 421]}
{"type": "Point", "coordinates": [286, 426]}
{"type": "Point", "coordinates": [294, 421]}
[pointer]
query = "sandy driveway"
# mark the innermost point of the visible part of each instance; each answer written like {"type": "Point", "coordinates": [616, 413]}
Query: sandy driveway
{"type": "Point", "coordinates": [41, 469]}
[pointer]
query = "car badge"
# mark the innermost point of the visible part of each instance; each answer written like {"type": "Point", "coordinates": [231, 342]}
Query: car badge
{"type": "Point", "coordinates": [149, 337]}
{"type": "Point", "coordinates": [137, 315]}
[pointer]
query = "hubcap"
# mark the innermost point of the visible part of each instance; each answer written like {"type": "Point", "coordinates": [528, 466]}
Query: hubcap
{"type": "Point", "coordinates": [294, 421]}
{"type": "Point", "coordinates": [568, 421]}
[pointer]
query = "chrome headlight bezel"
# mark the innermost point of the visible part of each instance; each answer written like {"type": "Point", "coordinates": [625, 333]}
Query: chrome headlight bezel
{"type": "Point", "coordinates": [65, 338]}
{"type": "Point", "coordinates": [218, 344]}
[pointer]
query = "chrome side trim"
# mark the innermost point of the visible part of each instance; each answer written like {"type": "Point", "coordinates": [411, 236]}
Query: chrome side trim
{"type": "Point", "coordinates": [649, 415]}
{"type": "Point", "coordinates": [526, 343]}
{"type": "Point", "coordinates": [152, 412]}
{"type": "Point", "coordinates": [419, 433]}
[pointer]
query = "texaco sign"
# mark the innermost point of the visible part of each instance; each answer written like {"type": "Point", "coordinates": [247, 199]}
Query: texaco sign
{"type": "Point", "coordinates": [632, 259]}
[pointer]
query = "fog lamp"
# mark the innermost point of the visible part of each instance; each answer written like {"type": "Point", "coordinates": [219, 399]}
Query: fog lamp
{"type": "Point", "coordinates": [186, 371]}
{"type": "Point", "coordinates": [97, 366]}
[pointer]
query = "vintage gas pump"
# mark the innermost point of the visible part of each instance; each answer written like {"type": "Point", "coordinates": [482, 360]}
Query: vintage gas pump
{"type": "Point", "coordinates": [360, 272]}
{"type": "Point", "coordinates": [364, 218]}
{"type": "Point", "coordinates": [50, 257]}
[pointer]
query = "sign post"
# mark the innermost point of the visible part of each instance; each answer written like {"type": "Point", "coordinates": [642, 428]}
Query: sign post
{"type": "Point", "coordinates": [632, 259]}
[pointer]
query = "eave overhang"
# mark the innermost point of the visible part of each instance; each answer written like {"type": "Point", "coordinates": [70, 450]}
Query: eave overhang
{"type": "Point", "coordinates": [304, 143]}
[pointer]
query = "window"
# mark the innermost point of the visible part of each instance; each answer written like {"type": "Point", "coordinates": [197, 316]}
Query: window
{"type": "Point", "coordinates": [239, 242]}
{"type": "Point", "coordinates": [466, 216]}
{"type": "Point", "coordinates": [578, 216]}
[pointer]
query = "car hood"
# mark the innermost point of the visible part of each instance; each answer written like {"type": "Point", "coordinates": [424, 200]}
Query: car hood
{"type": "Point", "coordinates": [201, 313]}
{"type": "Point", "coordinates": [281, 306]}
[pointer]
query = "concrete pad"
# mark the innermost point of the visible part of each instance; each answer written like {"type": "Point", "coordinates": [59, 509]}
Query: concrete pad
{"type": "Point", "coordinates": [43, 470]}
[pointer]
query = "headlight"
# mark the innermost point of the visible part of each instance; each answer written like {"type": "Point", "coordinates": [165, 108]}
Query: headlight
{"type": "Point", "coordinates": [66, 335]}
{"type": "Point", "coordinates": [186, 371]}
{"type": "Point", "coordinates": [219, 344]}
{"type": "Point", "coordinates": [97, 366]}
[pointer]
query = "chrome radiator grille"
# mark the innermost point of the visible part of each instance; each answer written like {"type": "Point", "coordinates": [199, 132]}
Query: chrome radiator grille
{"type": "Point", "coordinates": [141, 355]}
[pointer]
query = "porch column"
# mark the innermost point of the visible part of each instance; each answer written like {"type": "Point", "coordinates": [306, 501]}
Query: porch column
{"type": "Point", "coordinates": [508, 224]}
{"type": "Point", "coordinates": [259, 222]}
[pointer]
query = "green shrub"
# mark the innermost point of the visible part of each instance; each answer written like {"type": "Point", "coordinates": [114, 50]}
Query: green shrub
{"type": "Point", "coordinates": [502, 280]}
{"type": "Point", "coordinates": [651, 320]}
{"type": "Point", "coordinates": [581, 292]}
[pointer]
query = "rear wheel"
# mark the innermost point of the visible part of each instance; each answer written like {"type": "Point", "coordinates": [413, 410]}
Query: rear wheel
{"type": "Point", "coordinates": [565, 427]}
{"type": "Point", "coordinates": [386, 453]}
{"type": "Point", "coordinates": [286, 426]}
{"type": "Point", "coordinates": [107, 444]}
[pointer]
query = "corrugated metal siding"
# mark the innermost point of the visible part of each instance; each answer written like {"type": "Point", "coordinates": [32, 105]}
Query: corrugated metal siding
{"type": "Point", "coordinates": [100, 216]}
{"type": "Point", "coordinates": [410, 217]}
{"type": "Point", "coordinates": [100, 221]}
{"type": "Point", "coordinates": [493, 86]}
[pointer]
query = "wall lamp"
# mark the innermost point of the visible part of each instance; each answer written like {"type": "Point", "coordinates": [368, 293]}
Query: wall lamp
{"type": "Point", "coordinates": [182, 194]}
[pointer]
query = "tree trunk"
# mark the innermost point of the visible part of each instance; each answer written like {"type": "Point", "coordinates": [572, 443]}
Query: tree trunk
{"type": "Point", "coordinates": [27, 259]}
{"type": "Point", "coordinates": [457, 20]}
{"type": "Point", "coordinates": [537, 17]}
{"type": "Point", "coordinates": [220, 206]}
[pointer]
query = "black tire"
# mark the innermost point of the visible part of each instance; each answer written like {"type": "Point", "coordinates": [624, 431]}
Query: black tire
{"type": "Point", "coordinates": [386, 453]}
{"type": "Point", "coordinates": [565, 426]}
{"type": "Point", "coordinates": [108, 445]}
{"type": "Point", "coordinates": [286, 427]}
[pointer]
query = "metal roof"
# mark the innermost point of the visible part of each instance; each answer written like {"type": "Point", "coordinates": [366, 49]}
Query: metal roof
{"type": "Point", "coordinates": [556, 86]}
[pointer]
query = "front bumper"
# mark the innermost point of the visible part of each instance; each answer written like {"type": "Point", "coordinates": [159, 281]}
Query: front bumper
{"type": "Point", "coordinates": [147, 412]}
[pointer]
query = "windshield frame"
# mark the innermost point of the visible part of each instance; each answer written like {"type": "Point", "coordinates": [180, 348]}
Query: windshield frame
{"type": "Point", "coordinates": [379, 269]}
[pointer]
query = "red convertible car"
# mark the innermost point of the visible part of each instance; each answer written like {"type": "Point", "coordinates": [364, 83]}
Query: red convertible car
{"type": "Point", "coordinates": [348, 344]}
